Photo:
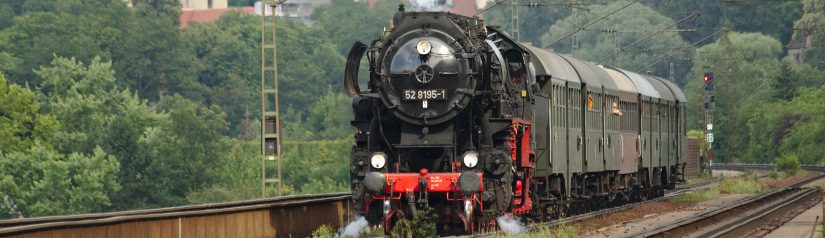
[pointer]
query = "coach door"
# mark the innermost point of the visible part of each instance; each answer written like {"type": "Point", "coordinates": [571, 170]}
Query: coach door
{"type": "Point", "coordinates": [655, 134]}
{"type": "Point", "coordinates": [611, 142]}
{"type": "Point", "coordinates": [575, 137]}
{"type": "Point", "coordinates": [542, 131]}
{"type": "Point", "coordinates": [667, 128]}
{"type": "Point", "coordinates": [629, 126]}
{"type": "Point", "coordinates": [558, 139]}
{"type": "Point", "coordinates": [646, 133]}
{"type": "Point", "coordinates": [595, 131]}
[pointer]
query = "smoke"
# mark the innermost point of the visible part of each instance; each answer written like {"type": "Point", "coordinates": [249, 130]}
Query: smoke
{"type": "Point", "coordinates": [430, 5]}
{"type": "Point", "coordinates": [354, 228]}
{"type": "Point", "coordinates": [511, 225]}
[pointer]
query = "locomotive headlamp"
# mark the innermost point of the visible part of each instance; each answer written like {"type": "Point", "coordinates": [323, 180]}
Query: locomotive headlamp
{"type": "Point", "coordinates": [470, 159]}
{"type": "Point", "coordinates": [378, 160]}
{"type": "Point", "coordinates": [423, 47]}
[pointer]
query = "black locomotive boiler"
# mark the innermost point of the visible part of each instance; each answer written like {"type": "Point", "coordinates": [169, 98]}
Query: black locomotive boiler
{"type": "Point", "coordinates": [460, 118]}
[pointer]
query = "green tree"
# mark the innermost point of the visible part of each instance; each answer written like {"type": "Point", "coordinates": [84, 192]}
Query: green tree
{"type": "Point", "coordinates": [82, 98]}
{"type": "Point", "coordinates": [811, 27]}
{"type": "Point", "coordinates": [597, 43]}
{"type": "Point", "coordinates": [182, 151]}
{"type": "Point", "coordinates": [79, 29]}
{"type": "Point", "coordinates": [301, 170]}
{"type": "Point", "coordinates": [238, 176]}
{"type": "Point", "coordinates": [789, 127]}
{"type": "Point", "coordinates": [331, 115]}
{"type": "Point", "coordinates": [6, 16]}
{"type": "Point", "coordinates": [806, 136]}
{"type": "Point", "coordinates": [21, 124]}
{"type": "Point", "coordinates": [8, 62]}
{"type": "Point", "coordinates": [308, 65]}
{"type": "Point", "coordinates": [533, 22]}
{"type": "Point", "coordinates": [346, 21]}
{"type": "Point", "coordinates": [39, 182]}
{"type": "Point", "coordinates": [229, 52]}
{"type": "Point", "coordinates": [153, 60]}
{"type": "Point", "coordinates": [241, 3]}
{"type": "Point", "coordinates": [132, 119]}
{"type": "Point", "coordinates": [772, 18]}
{"type": "Point", "coordinates": [35, 37]}
{"type": "Point", "coordinates": [743, 64]}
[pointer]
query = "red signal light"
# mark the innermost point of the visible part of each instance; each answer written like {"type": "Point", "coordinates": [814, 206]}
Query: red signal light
{"type": "Point", "coordinates": [707, 78]}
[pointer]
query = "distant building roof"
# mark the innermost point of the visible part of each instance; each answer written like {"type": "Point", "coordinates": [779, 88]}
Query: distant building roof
{"type": "Point", "coordinates": [464, 7]}
{"type": "Point", "coordinates": [209, 15]}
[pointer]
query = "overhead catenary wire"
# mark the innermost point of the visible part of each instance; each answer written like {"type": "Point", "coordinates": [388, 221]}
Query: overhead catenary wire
{"type": "Point", "coordinates": [565, 5]}
{"type": "Point", "coordinates": [660, 59]}
{"type": "Point", "coordinates": [638, 31]}
{"type": "Point", "coordinates": [489, 7]}
{"type": "Point", "coordinates": [591, 23]}
{"type": "Point", "coordinates": [660, 49]}
{"type": "Point", "coordinates": [696, 13]}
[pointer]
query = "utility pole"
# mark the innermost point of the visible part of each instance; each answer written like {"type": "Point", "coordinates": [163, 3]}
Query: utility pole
{"type": "Point", "coordinates": [710, 105]}
{"type": "Point", "coordinates": [574, 45]}
{"type": "Point", "coordinates": [514, 19]}
{"type": "Point", "coordinates": [270, 117]}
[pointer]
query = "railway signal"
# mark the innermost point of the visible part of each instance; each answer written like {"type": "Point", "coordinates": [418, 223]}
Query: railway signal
{"type": "Point", "coordinates": [710, 102]}
{"type": "Point", "coordinates": [708, 78]}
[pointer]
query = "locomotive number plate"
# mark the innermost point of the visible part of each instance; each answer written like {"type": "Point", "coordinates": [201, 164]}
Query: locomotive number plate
{"type": "Point", "coordinates": [429, 94]}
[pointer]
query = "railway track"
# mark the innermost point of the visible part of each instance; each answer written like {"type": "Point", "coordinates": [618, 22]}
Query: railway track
{"type": "Point", "coordinates": [668, 195]}
{"type": "Point", "coordinates": [581, 217]}
{"type": "Point", "coordinates": [295, 216]}
{"type": "Point", "coordinates": [695, 187]}
{"type": "Point", "coordinates": [751, 217]}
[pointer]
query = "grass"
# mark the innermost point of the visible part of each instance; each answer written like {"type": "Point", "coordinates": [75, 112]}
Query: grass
{"type": "Point", "coordinates": [698, 196]}
{"type": "Point", "coordinates": [747, 183]}
{"type": "Point", "coordinates": [561, 231]}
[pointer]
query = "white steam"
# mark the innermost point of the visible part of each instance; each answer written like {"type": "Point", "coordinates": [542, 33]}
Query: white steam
{"type": "Point", "coordinates": [354, 228]}
{"type": "Point", "coordinates": [511, 225]}
{"type": "Point", "coordinates": [430, 5]}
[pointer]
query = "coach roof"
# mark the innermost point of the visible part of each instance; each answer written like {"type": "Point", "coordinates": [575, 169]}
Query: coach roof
{"type": "Point", "coordinates": [550, 64]}
{"type": "Point", "coordinates": [644, 87]}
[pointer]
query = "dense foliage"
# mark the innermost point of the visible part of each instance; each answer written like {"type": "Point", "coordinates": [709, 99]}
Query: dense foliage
{"type": "Point", "coordinates": [105, 107]}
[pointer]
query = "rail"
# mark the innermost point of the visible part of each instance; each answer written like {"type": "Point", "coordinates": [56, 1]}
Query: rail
{"type": "Point", "coordinates": [272, 217]}
{"type": "Point", "coordinates": [766, 207]}
{"type": "Point", "coordinates": [729, 166]}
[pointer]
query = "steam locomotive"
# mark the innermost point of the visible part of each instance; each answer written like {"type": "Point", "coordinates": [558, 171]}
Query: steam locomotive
{"type": "Point", "coordinates": [460, 118]}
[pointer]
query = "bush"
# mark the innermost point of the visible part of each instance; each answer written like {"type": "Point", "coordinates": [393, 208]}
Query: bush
{"type": "Point", "coordinates": [422, 226]}
{"type": "Point", "coordinates": [788, 164]}
{"type": "Point", "coordinates": [747, 183]}
{"type": "Point", "coordinates": [324, 231]}
{"type": "Point", "coordinates": [698, 196]}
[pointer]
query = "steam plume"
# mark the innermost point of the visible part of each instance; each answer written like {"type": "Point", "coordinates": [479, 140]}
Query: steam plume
{"type": "Point", "coordinates": [430, 5]}
{"type": "Point", "coordinates": [354, 228]}
{"type": "Point", "coordinates": [511, 225]}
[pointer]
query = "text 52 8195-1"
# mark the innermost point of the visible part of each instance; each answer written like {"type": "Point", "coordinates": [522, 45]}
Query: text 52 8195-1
{"type": "Point", "coordinates": [425, 94]}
